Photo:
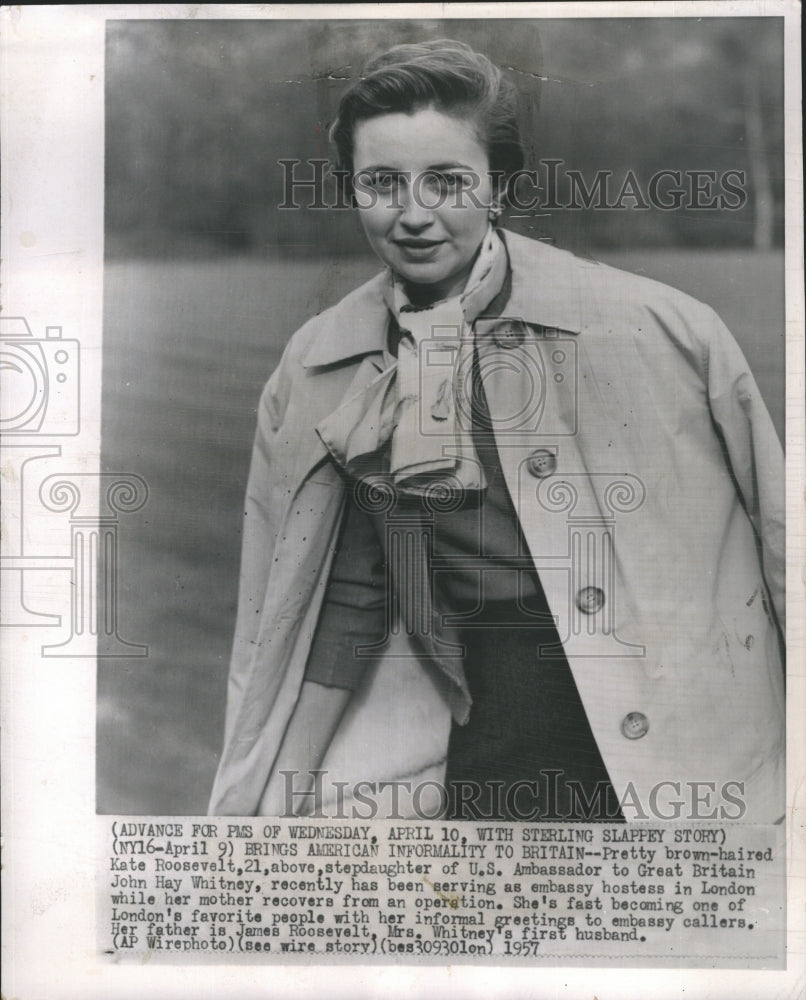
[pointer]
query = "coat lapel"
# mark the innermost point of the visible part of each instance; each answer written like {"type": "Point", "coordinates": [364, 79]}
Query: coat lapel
{"type": "Point", "coordinates": [539, 366]}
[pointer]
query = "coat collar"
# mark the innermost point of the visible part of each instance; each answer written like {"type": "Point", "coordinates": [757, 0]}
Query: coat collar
{"type": "Point", "coordinates": [546, 291]}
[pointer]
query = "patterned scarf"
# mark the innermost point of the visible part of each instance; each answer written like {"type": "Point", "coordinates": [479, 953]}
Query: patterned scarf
{"type": "Point", "coordinates": [421, 401]}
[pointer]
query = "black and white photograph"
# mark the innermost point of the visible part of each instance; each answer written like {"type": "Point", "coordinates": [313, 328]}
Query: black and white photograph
{"type": "Point", "coordinates": [510, 508]}
{"type": "Point", "coordinates": [402, 454]}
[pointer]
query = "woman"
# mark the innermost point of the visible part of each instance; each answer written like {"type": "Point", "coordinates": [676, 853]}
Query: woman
{"type": "Point", "coordinates": [514, 523]}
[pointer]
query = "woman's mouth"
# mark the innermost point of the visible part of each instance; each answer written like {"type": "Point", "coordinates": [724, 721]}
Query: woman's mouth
{"type": "Point", "coordinates": [417, 248]}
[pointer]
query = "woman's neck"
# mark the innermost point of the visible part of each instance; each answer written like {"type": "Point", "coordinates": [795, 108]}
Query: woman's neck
{"type": "Point", "coordinates": [428, 295]}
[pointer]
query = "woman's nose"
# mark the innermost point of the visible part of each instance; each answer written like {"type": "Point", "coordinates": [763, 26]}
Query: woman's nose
{"type": "Point", "coordinates": [416, 214]}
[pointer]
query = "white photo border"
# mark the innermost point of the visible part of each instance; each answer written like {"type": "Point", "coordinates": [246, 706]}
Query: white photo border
{"type": "Point", "coordinates": [52, 274]}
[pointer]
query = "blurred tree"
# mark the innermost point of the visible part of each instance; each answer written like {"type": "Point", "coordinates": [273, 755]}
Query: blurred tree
{"type": "Point", "coordinates": [200, 112]}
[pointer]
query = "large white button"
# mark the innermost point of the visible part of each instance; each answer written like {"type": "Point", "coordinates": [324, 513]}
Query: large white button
{"type": "Point", "coordinates": [509, 333]}
{"type": "Point", "coordinates": [542, 463]}
{"type": "Point", "coordinates": [634, 725]}
{"type": "Point", "coordinates": [590, 600]}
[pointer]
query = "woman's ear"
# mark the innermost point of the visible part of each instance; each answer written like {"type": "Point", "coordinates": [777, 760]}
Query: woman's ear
{"type": "Point", "coordinates": [499, 197]}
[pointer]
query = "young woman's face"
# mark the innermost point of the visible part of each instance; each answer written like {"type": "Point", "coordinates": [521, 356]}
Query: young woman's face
{"type": "Point", "coordinates": [424, 191]}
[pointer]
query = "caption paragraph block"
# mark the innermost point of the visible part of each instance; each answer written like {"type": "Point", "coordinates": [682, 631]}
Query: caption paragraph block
{"type": "Point", "coordinates": [281, 890]}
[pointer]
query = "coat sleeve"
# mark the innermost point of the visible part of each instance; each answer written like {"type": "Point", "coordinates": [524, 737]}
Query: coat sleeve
{"type": "Point", "coordinates": [754, 453]}
{"type": "Point", "coordinates": [262, 511]}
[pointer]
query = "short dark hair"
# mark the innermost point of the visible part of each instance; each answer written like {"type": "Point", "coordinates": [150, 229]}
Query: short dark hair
{"type": "Point", "coordinates": [445, 74]}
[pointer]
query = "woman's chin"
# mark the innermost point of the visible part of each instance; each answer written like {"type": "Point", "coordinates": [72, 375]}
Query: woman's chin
{"type": "Point", "coordinates": [433, 280]}
{"type": "Point", "coordinates": [420, 274]}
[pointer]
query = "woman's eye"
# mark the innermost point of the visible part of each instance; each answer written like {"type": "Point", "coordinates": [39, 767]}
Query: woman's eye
{"type": "Point", "coordinates": [384, 182]}
{"type": "Point", "coordinates": [376, 181]}
{"type": "Point", "coordinates": [444, 182]}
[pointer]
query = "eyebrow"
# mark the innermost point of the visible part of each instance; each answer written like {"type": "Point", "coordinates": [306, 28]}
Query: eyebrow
{"type": "Point", "coordinates": [450, 166]}
{"type": "Point", "coordinates": [434, 166]}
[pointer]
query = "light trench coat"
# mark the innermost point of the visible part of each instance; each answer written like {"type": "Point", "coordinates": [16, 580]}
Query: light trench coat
{"type": "Point", "coordinates": [656, 526]}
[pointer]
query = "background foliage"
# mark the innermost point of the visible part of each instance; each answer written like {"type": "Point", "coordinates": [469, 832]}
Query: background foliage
{"type": "Point", "coordinates": [199, 113]}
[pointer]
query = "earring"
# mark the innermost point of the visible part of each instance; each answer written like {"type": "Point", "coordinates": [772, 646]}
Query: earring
{"type": "Point", "coordinates": [495, 212]}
